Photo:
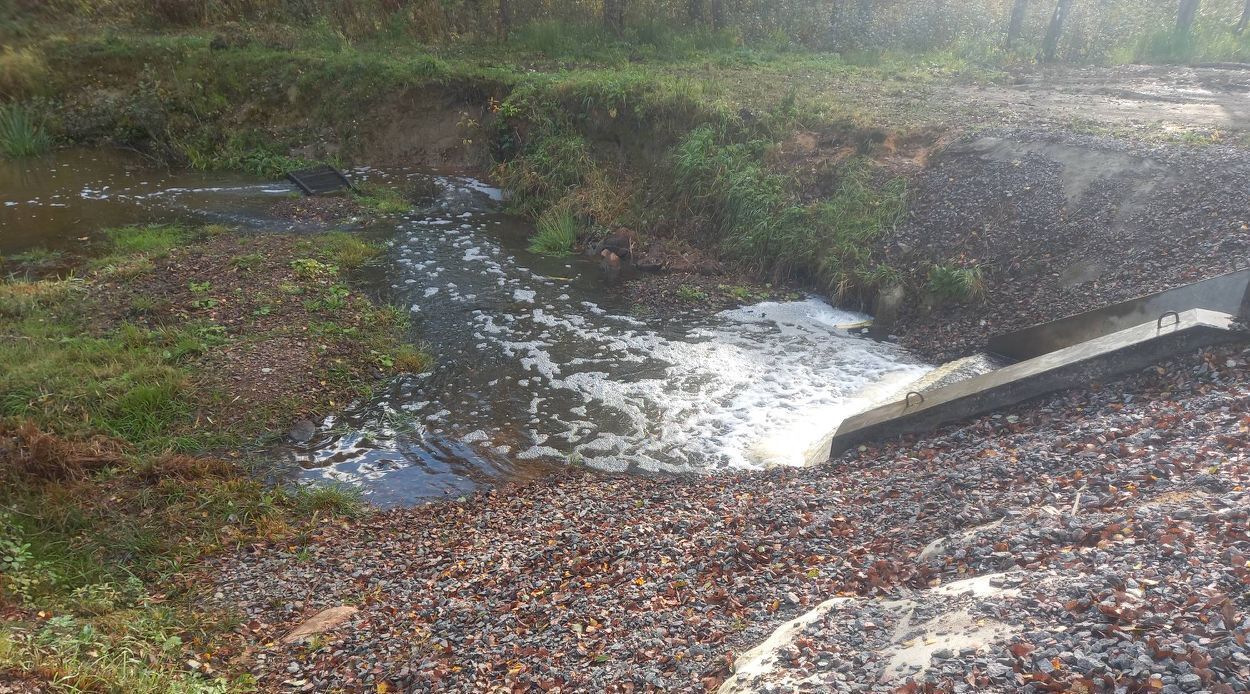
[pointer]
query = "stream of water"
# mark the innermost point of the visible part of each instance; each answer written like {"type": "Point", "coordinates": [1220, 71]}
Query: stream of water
{"type": "Point", "coordinates": [538, 361]}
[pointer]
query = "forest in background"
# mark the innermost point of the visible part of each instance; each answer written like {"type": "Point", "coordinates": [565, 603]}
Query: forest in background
{"type": "Point", "coordinates": [991, 31]}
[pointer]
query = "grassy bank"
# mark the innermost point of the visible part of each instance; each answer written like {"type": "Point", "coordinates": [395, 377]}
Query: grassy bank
{"type": "Point", "coordinates": [780, 162]}
{"type": "Point", "coordinates": [132, 397]}
{"type": "Point", "coordinates": [699, 147]}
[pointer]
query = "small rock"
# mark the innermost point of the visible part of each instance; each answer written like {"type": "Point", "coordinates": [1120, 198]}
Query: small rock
{"type": "Point", "coordinates": [302, 431]}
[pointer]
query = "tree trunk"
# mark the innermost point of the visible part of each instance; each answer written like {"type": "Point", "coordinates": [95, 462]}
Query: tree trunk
{"type": "Point", "coordinates": [837, 23]}
{"type": "Point", "coordinates": [718, 14]}
{"type": "Point", "coordinates": [1245, 19]}
{"type": "Point", "coordinates": [614, 15]}
{"type": "Point", "coordinates": [1015, 24]}
{"type": "Point", "coordinates": [849, 22]}
{"type": "Point", "coordinates": [505, 18]}
{"type": "Point", "coordinates": [1050, 46]}
{"type": "Point", "coordinates": [1185, 16]}
{"type": "Point", "coordinates": [694, 11]}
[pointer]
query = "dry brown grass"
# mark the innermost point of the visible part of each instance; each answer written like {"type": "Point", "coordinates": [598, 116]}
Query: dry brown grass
{"type": "Point", "coordinates": [27, 451]}
{"type": "Point", "coordinates": [186, 468]}
{"type": "Point", "coordinates": [22, 71]}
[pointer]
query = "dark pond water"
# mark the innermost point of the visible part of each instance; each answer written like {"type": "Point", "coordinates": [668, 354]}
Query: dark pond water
{"type": "Point", "coordinates": [539, 363]}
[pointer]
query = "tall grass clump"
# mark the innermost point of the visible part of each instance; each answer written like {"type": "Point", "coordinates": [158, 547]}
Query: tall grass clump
{"type": "Point", "coordinates": [850, 222]}
{"type": "Point", "coordinates": [547, 170]}
{"type": "Point", "coordinates": [22, 71]}
{"type": "Point", "coordinates": [21, 134]}
{"type": "Point", "coordinates": [747, 205]}
{"type": "Point", "coordinates": [556, 234]}
{"type": "Point", "coordinates": [951, 282]}
{"type": "Point", "coordinates": [1206, 42]}
{"type": "Point", "coordinates": [762, 222]}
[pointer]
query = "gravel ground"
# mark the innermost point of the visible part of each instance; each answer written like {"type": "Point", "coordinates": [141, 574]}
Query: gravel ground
{"type": "Point", "coordinates": [1064, 223]}
{"type": "Point", "coordinates": [1129, 499]}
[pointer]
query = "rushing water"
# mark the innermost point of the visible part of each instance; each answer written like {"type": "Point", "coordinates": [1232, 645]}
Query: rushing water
{"type": "Point", "coordinates": [539, 362]}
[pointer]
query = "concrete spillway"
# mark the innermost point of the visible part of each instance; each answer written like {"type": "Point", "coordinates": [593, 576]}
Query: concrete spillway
{"type": "Point", "coordinates": [1101, 357]}
{"type": "Point", "coordinates": [1225, 293]}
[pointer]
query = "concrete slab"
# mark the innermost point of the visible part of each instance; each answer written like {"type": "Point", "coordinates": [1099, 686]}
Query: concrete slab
{"type": "Point", "coordinates": [1228, 293]}
{"type": "Point", "coordinates": [1109, 355]}
{"type": "Point", "coordinates": [907, 634]}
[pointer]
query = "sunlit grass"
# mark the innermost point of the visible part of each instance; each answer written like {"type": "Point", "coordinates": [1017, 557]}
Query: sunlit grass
{"type": "Point", "coordinates": [22, 134]}
{"type": "Point", "coordinates": [348, 251]}
{"type": "Point", "coordinates": [556, 234]}
{"type": "Point", "coordinates": [153, 240]}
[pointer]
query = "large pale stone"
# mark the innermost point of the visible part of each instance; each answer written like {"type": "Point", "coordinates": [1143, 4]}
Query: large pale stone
{"type": "Point", "coordinates": [320, 623]}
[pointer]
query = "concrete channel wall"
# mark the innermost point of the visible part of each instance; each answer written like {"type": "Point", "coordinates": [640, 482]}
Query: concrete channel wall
{"type": "Point", "coordinates": [1225, 293]}
{"type": "Point", "coordinates": [1102, 357]}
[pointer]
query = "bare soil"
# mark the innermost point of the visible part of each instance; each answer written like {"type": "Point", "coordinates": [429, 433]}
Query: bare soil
{"type": "Point", "coordinates": [319, 210]}
{"type": "Point", "coordinates": [1173, 98]}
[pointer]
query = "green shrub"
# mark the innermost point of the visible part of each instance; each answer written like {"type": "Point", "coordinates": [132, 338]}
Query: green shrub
{"type": "Point", "coordinates": [21, 134]}
{"type": "Point", "coordinates": [954, 283]}
{"type": "Point", "coordinates": [556, 234]}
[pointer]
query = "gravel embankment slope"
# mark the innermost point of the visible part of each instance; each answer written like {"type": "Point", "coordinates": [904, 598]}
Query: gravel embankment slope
{"type": "Point", "coordinates": [1131, 497]}
{"type": "Point", "coordinates": [1063, 223]}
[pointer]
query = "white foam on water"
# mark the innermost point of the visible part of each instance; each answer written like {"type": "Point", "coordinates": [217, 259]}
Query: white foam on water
{"type": "Point", "coordinates": [540, 372]}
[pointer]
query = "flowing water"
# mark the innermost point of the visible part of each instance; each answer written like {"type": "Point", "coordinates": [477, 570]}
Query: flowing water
{"type": "Point", "coordinates": [539, 361]}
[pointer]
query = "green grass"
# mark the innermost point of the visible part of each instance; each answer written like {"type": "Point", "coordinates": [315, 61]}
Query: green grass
{"type": "Point", "coordinates": [247, 151]}
{"type": "Point", "coordinates": [691, 293]}
{"type": "Point", "coordinates": [93, 548]}
{"type": "Point", "coordinates": [22, 134]}
{"type": "Point", "coordinates": [38, 256]}
{"type": "Point", "coordinates": [760, 219]}
{"type": "Point", "coordinates": [348, 251]}
{"type": "Point", "coordinates": [1208, 42]}
{"type": "Point", "coordinates": [126, 383]}
{"type": "Point", "coordinates": [954, 283]}
{"type": "Point", "coordinates": [155, 240]}
{"type": "Point", "coordinates": [555, 235]}
{"type": "Point", "coordinates": [23, 72]}
{"type": "Point", "coordinates": [382, 199]}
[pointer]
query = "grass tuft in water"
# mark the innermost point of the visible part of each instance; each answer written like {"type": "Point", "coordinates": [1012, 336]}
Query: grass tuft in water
{"type": "Point", "coordinates": [381, 199]}
{"type": "Point", "coordinates": [348, 251]}
{"type": "Point", "coordinates": [21, 134]}
{"type": "Point", "coordinates": [556, 234]}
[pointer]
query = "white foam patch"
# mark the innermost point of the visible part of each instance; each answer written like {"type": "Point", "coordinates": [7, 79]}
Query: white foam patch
{"type": "Point", "coordinates": [747, 388]}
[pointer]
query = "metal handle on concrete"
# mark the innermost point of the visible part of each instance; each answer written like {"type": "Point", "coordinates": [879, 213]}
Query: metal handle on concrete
{"type": "Point", "coordinates": [1174, 314]}
{"type": "Point", "coordinates": [907, 401]}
